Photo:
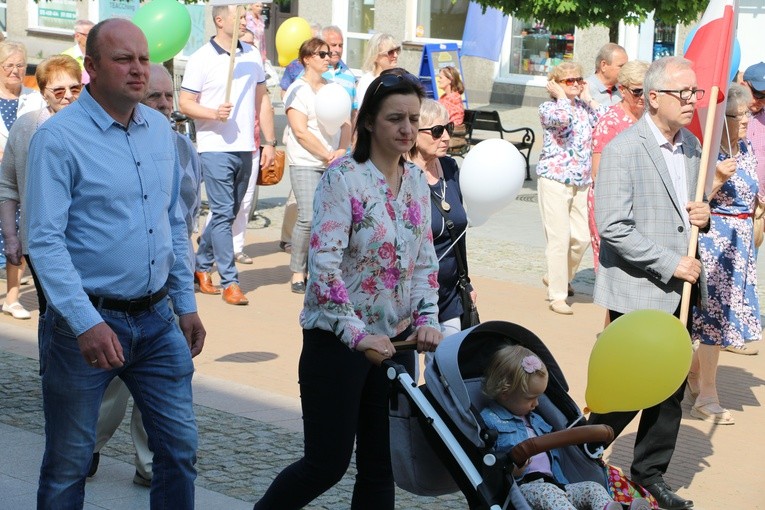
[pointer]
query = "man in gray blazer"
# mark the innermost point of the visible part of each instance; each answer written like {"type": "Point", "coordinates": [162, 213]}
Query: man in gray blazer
{"type": "Point", "coordinates": [644, 214]}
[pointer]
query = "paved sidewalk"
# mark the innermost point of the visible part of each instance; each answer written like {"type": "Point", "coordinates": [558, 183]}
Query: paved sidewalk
{"type": "Point", "coordinates": [246, 391]}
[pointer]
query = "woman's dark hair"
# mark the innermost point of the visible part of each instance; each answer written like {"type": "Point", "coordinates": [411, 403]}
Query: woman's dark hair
{"type": "Point", "coordinates": [391, 81]}
{"type": "Point", "coordinates": [309, 47]}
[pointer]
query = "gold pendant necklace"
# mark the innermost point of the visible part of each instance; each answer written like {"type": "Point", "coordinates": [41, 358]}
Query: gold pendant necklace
{"type": "Point", "coordinates": [444, 204]}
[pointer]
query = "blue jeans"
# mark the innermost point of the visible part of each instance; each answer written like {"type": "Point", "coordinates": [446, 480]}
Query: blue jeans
{"type": "Point", "coordinates": [226, 175]}
{"type": "Point", "coordinates": [157, 370]}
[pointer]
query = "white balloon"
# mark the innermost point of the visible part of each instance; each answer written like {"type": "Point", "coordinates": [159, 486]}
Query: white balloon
{"type": "Point", "coordinates": [491, 176]}
{"type": "Point", "coordinates": [333, 107]}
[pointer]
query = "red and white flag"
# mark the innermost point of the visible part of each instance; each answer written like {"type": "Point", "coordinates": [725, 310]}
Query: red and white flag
{"type": "Point", "coordinates": [710, 51]}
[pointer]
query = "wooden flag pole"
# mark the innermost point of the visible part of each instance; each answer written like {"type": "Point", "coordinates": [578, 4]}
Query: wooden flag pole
{"type": "Point", "coordinates": [685, 301]}
{"type": "Point", "coordinates": [232, 53]}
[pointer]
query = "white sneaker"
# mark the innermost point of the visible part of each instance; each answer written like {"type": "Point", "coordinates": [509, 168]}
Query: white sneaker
{"type": "Point", "coordinates": [16, 310]}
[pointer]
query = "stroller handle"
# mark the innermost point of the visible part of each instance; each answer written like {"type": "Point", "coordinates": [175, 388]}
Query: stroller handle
{"type": "Point", "coordinates": [524, 450]}
{"type": "Point", "coordinates": [376, 358]}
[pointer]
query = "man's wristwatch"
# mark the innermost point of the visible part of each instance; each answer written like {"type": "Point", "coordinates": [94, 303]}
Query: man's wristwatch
{"type": "Point", "coordinates": [272, 143]}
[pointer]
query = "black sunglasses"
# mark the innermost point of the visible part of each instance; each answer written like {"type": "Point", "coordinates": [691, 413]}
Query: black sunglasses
{"type": "Point", "coordinates": [438, 131]}
{"type": "Point", "coordinates": [388, 80]}
{"type": "Point", "coordinates": [323, 54]}
{"type": "Point", "coordinates": [757, 94]}
{"type": "Point", "coordinates": [635, 92]}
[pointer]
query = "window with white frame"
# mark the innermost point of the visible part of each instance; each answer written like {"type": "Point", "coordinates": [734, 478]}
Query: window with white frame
{"type": "Point", "coordinates": [3, 15]}
{"type": "Point", "coordinates": [54, 14]}
{"type": "Point", "coordinates": [441, 19]}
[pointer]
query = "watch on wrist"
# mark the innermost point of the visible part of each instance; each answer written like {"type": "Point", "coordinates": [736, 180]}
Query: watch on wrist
{"type": "Point", "coordinates": [272, 143]}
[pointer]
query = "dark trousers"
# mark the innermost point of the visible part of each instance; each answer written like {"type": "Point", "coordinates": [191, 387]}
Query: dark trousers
{"type": "Point", "coordinates": [345, 401]}
{"type": "Point", "coordinates": [42, 303]}
{"type": "Point", "coordinates": [656, 435]}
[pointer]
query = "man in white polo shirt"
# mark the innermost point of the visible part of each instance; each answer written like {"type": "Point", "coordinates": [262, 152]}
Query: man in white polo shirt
{"type": "Point", "coordinates": [225, 140]}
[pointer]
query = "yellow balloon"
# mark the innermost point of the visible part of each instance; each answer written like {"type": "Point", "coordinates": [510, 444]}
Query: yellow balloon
{"type": "Point", "coordinates": [638, 361]}
{"type": "Point", "coordinates": [291, 34]}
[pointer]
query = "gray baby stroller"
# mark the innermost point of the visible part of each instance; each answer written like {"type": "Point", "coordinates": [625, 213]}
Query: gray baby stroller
{"type": "Point", "coordinates": [439, 444]}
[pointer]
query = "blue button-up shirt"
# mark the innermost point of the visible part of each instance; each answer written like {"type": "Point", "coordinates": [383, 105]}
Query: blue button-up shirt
{"type": "Point", "coordinates": [103, 211]}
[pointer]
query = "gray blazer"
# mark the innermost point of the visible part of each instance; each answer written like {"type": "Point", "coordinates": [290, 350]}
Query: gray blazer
{"type": "Point", "coordinates": [642, 231]}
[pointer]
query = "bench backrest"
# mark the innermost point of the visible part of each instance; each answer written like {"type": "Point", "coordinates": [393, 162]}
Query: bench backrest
{"type": "Point", "coordinates": [488, 121]}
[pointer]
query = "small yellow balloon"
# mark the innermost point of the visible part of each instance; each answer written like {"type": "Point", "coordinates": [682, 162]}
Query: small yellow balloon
{"type": "Point", "coordinates": [638, 361]}
{"type": "Point", "coordinates": [291, 34]}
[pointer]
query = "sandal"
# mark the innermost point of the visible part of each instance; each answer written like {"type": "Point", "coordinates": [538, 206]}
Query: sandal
{"type": "Point", "coordinates": [243, 258]}
{"type": "Point", "coordinates": [16, 310]}
{"type": "Point", "coordinates": [712, 412]}
{"type": "Point", "coordinates": [693, 395]}
{"type": "Point", "coordinates": [741, 349]}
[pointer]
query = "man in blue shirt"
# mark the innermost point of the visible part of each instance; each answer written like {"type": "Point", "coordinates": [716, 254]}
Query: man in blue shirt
{"type": "Point", "coordinates": [109, 243]}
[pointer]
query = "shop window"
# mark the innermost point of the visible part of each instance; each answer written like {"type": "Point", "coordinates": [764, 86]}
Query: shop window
{"type": "Point", "coordinates": [535, 49]}
{"type": "Point", "coordinates": [56, 14]}
{"type": "Point", "coordinates": [663, 40]}
{"type": "Point", "coordinates": [441, 19]}
{"type": "Point", "coordinates": [3, 15]}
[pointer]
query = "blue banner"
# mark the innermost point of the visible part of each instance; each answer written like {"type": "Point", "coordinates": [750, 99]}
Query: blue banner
{"type": "Point", "coordinates": [483, 33]}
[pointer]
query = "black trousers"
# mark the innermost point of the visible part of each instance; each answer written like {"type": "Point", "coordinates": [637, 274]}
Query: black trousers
{"type": "Point", "coordinates": [345, 402]}
{"type": "Point", "coordinates": [656, 435]}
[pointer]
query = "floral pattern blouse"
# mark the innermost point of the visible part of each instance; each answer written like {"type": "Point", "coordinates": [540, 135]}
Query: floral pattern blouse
{"type": "Point", "coordinates": [567, 142]}
{"type": "Point", "coordinates": [454, 106]}
{"type": "Point", "coordinates": [613, 122]}
{"type": "Point", "coordinates": [371, 262]}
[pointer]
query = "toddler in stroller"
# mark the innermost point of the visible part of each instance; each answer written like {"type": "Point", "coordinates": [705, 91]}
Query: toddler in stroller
{"type": "Point", "coordinates": [514, 381]}
{"type": "Point", "coordinates": [441, 445]}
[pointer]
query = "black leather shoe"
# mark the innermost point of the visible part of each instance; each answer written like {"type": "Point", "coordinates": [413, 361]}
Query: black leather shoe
{"type": "Point", "coordinates": [667, 499]}
{"type": "Point", "coordinates": [94, 464]}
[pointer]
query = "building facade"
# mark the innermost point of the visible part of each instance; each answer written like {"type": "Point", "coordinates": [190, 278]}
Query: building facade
{"type": "Point", "coordinates": [528, 49]}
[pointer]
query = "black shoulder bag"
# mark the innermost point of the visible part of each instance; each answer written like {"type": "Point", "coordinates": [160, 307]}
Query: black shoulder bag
{"type": "Point", "coordinates": [469, 310]}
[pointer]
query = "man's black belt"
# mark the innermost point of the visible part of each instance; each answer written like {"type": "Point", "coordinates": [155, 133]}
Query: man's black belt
{"type": "Point", "coordinates": [131, 306]}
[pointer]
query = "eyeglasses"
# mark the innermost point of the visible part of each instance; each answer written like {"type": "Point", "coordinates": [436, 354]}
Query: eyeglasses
{"type": "Point", "coordinates": [740, 116]}
{"type": "Point", "coordinates": [635, 92]}
{"type": "Point", "coordinates": [10, 67]}
{"type": "Point", "coordinates": [323, 54]}
{"type": "Point", "coordinates": [389, 79]}
{"type": "Point", "coordinates": [392, 52]}
{"type": "Point", "coordinates": [686, 94]}
{"type": "Point", "coordinates": [60, 92]}
{"type": "Point", "coordinates": [82, 34]}
{"type": "Point", "coordinates": [438, 131]}
{"type": "Point", "coordinates": [572, 81]}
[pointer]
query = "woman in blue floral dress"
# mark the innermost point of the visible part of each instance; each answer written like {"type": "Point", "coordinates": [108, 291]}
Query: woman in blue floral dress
{"type": "Point", "coordinates": [372, 276]}
{"type": "Point", "coordinates": [732, 315]}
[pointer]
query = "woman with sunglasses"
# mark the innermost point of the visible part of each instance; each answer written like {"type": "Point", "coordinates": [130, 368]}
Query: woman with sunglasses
{"type": "Point", "coordinates": [382, 54]}
{"type": "Point", "coordinates": [732, 314]}
{"type": "Point", "coordinates": [60, 79]}
{"type": "Point", "coordinates": [15, 101]}
{"type": "Point", "coordinates": [372, 278]}
{"type": "Point", "coordinates": [309, 148]}
{"type": "Point", "coordinates": [442, 173]}
{"type": "Point", "coordinates": [618, 118]}
{"type": "Point", "coordinates": [563, 177]}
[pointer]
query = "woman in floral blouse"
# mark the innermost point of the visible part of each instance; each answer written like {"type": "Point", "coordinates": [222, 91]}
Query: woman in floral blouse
{"type": "Point", "coordinates": [618, 118]}
{"type": "Point", "coordinates": [372, 277]}
{"type": "Point", "coordinates": [564, 176]}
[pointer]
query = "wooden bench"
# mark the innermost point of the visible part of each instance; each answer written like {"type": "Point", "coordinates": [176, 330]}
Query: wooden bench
{"type": "Point", "coordinates": [481, 120]}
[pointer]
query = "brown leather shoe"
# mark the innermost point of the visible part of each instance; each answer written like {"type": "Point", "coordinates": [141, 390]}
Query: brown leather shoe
{"type": "Point", "coordinates": [204, 280]}
{"type": "Point", "coordinates": [233, 295]}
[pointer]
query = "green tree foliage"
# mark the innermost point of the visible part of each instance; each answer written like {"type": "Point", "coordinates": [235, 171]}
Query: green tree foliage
{"type": "Point", "coordinates": [561, 14]}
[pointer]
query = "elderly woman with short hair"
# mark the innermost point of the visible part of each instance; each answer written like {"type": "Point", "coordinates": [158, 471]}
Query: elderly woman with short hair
{"type": "Point", "coordinates": [563, 171]}
{"type": "Point", "coordinates": [618, 118]}
{"type": "Point", "coordinates": [732, 314]}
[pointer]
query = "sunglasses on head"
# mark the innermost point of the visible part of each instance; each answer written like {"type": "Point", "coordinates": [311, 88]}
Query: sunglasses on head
{"type": "Point", "coordinates": [60, 92]}
{"type": "Point", "coordinates": [323, 54]}
{"type": "Point", "coordinates": [572, 81]}
{"type": "Point", "coordinates": [388, 80]}
{"type": "Point", "coordinates": [392, 52]}
{"type": "Point", "coordinates": [438, 131]}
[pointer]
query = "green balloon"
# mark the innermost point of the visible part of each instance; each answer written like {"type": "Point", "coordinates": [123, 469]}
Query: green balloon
{"type": "Point", "coordinates": [167, 27]}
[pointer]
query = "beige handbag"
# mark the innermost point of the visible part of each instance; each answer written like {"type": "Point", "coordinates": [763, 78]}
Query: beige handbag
{"type": "Point", "coordinates": [759, 222]}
